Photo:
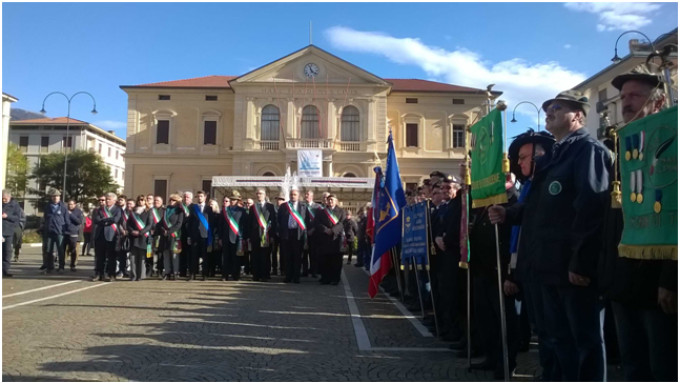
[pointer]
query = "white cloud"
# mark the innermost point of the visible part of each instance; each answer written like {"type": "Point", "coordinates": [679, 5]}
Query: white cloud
{"type": "Point", "coordinates": [518, 79]}
{"type": "Point", "coordinates": [618, 16]}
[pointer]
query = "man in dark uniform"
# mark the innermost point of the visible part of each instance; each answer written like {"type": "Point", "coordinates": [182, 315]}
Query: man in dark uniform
{"type": "Point", "coordinates": [54, 223]}
{"type": "Point", "coordinates": [11, 213]}
{"type": "Point", "coordinates": [564, 214]}
{"type": "Point", "coordinates": [330, 231]}
{"type": "Point", "coordinates": [293, 222]}
{"type": "Point", "coordinates": [74, 220]}
{"type": "Point", "coordinates": [262, 228]}
{"type": "Point", "coordinates": [200, 235]}
{"type": "Point", "coordinates": [106, 218]}
{"type": "Point", "coordinates": [643, 291]}
{"type": "Point", "coordinates": [232, 226]}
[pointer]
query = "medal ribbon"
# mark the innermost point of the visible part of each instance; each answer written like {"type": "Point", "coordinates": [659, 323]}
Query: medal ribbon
{"type": "Point", "coordinates": [296, 216]}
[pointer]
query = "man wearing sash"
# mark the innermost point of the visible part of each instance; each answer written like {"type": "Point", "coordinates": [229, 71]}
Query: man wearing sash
{"type": "Point", "coordinates": [168, 232]}
{"type": "Point", "coordinates": [247, 246]}
{"type": "Point", "coordinates": [643, 291]}
{"type": "Point", "coordinates": [139, 225]}
{"type": "Point", "coordinates": [277, 260]}
{"type": "Point", "coordinates": [293, 221]}
{"type": "Point", "coordinates": [106, 218]}
{"type": "Point", "coordinates": [232, 223]}
{"type": "Point", "coordinates": [188, 198]}
{"type": "Point", "coordinates": [330, 232]}
{"type": "Point", "coordinates": [563, 215]}
{"type": "Point", "coordinates": [262, 227]}
{"type": "Point", "coordinates": [200, 235]}
{"type": "Point", "coordinates": [309, 256]}
{"type": "Point", "coordinates": [156, 213]}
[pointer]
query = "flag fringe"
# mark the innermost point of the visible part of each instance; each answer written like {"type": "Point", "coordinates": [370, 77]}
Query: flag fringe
{"type": "Point", "coordinates": [481, 202]}
{"type": "Point", "coordinates": [649, 253]}
{"type": "Point", "coordinates": [463, 265]}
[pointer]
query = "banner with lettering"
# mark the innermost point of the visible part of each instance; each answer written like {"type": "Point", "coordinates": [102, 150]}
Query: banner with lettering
{"type": "Point", "coordinates": [649, 183]}
{"type": "Point", "coordinates": [414, 242]}
{"type": "Point", "coordinates": [488, 179]}
{"type": "Point", "coordinates": [310, 163]}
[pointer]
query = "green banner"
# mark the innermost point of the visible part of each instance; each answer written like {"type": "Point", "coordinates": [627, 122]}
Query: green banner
{"type": "Point", "coordinates": [649, 184]}
{"type": "Point", "coordinates": [488, 179]}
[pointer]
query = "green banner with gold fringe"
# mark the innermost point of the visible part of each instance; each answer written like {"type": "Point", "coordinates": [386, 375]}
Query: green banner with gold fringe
{"type": "Point", "coordinates": [488, 179]}
{"type": "Point", "coordinates": [649, 183]}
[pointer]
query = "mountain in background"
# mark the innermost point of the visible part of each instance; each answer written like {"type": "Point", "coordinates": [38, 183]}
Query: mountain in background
{"type": "Point", "coordinates": [17, 114]}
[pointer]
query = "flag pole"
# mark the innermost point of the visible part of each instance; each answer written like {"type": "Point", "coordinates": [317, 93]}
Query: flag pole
{"type": "Point", "coordinates": [430, 250]}
{"type": "Point", "coordinates": [501, 300]}
{"type": "Point", "coordinates": [397, 274]}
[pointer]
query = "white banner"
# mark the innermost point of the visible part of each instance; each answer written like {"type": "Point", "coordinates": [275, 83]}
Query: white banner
{"type": "Point", "coordinates": [310, 163]}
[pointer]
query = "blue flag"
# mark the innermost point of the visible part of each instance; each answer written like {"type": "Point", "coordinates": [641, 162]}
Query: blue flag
{"type": "Point", "coordinates": [390, 202]}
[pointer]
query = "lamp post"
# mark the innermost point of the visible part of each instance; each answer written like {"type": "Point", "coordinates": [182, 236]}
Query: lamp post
{"type": "Point", "coordinates": [538, 112]}
{"type": "Point", "coordinates": [616, 57]}
{"type": "Point", "coordinates": [68, 124]}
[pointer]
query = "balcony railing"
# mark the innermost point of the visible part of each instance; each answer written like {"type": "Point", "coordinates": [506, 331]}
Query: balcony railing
{"type": "Point", "coordinates": [269, 145]}
{"type": "Point", "coordinates": [350, 146]}
{"type": "Point", "coordinates": [308, 143]}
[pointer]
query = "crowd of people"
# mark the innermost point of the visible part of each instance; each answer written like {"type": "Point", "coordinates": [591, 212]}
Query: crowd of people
{"type": "Point", "coordinates": [556, 239]}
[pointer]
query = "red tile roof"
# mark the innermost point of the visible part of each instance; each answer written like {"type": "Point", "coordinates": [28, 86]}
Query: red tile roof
{"type": "Point", "coordinates": [415, 85]}
{"type": "Point", "coordinates": [198, 82]}
{"type": "Point", "coordinates": [47, 120]}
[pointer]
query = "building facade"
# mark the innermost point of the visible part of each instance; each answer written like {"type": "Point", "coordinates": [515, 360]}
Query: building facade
{"type": "Point", "coordinates": [7, 101]}
{"type": "Point", "coordinates": [183, 133]}
{"type": "Point", "coordinates": [47, 135]}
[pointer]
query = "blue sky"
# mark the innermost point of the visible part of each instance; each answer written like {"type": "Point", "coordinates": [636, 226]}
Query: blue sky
{"type": "Point", "coordinates": [530, 50]}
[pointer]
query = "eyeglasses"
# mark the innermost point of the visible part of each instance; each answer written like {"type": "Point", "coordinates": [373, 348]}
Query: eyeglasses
{"type": "Point", "coordinates": [102, 200]}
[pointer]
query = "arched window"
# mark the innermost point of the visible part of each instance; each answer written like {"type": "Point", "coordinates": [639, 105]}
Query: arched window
{"type": "Point", "coordinates": [349, 175]}
{"type": "Point", "coordinates": [350, 124]}
{"type": "Point", "coordinates": [268, 174]}
{"type": "Point", "coordinates": [310, 122]}
{"type": "Point", "coordinates": [270, 123]}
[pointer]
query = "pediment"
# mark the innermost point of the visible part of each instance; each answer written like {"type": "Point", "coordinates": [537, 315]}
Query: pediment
{"type": "Point", "coordinates": [291, 69]}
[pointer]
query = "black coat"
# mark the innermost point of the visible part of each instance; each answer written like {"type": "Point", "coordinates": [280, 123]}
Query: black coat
{"type": "Point", "coordinates": [329, 235]}
{"type": "Point", "coordinates": [282, 221]}
{"type": "Point", "coordinates": [9, 224]}
{"type": "Point", "coordinates": [240, 215]}
{"type": "Point", "coordinates": [140, 241]}
{"type": "Point", "coordinates": [255, 231]}
{"type": "Point", "coordinates": [74, 219]}
{"type": "Point", "coordinates": [196, 229]}
{"type": "Point", "coordinates": [563, 213]}
{"type": "Point", "coordinates": [106, 227]}
{"type": "Point", "coordinates": [351, 229]}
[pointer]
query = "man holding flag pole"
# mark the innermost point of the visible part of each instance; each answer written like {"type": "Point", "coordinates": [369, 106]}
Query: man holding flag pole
{"type": "Point", "coordinates": [387, 209]}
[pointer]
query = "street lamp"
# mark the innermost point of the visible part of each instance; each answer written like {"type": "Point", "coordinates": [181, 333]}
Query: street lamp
{"type": "Point", "coordinates": [68, 124]}
{"type": "Point", "coordinates": [538, 111]}
{"type": "Point", "coordinates": [616, 57]}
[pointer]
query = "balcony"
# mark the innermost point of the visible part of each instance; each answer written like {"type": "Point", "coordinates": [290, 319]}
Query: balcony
{"type": "Point", "coordinates": [309, 143]}
{"type": "Point", "coordinates": [269, 145]}
{"type": "Point", "coordinates": [349, 146]}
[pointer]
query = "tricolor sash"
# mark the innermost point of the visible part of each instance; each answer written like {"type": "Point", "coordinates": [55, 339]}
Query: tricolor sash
{"type": "Point", "coordinates": [108, 214]}
{"type": "Point", "coordinates": [155, 215]}
{"type": "Point", "coordinates": [186, 209]}
{"type": "Point", "coordinates": [139, 223]}
{"type": "Point", "coordinates": [264, 225]}
{"type": "Point", "coordinates": [233, 225]}
{"type": "Point", "coordinates": [311, 209]}
{"type": "Point", "coordinates": [126, 216]}
{"type": "Point", "coordinates": [334, 220]}
{"type": "Point", "coordinates": [296, 216]}
{"type": "Point", "coordinates": [166, 219]}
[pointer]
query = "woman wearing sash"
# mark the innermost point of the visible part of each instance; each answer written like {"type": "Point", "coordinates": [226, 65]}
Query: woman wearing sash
{"type": "Point", "coordinates": [139, 226]}
{"type": "Point", "coordinates": [330, 230]}
{"type": "Point", "coordinates": [169, 244]}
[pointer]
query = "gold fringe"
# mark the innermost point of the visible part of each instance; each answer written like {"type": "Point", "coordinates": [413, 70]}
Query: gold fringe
{"type": "Point", "coordinates": [500, 198]}
{"type": "Point", "coordinates": [616, 195]}
{"type": "Point", "coordinates": [463, 265]}
{"type": "Point", "coordinates": [506, 163]}
{"type": "Point", "coordinates": [649, 252]}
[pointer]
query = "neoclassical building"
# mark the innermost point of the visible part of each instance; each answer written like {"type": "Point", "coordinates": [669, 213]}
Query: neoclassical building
{"type": "Point", "coordinates": [183, 133]}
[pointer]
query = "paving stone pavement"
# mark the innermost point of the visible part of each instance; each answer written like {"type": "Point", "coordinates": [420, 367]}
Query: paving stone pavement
{"type": "Point", "coordinates": [212, 331]}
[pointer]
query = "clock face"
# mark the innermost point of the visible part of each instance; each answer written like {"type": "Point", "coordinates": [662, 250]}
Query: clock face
{"type": "Point", "coordinates": [311, 70]}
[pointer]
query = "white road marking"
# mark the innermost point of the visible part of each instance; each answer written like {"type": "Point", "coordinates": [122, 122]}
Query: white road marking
{"type": "Point", "coordinates": [53, 296]}
{"type": "Point", "coordinates": [360, 333]}
{"type": "Point", "coordinates": [40, 288]}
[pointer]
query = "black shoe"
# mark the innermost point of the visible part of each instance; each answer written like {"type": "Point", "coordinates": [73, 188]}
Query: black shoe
{"type": "Point", "coordinates": [7, 275]}
{"type": "Point", "coordinates": [190, 277]}
{"type": "Point", "coordinates": [499, 371]}
{"type": "Point", "coordinates": [95, 278]}
{"type": "Point", "coordinates": [203, 277]}
{"type": "Point", "coordinates": [474, 353]}
{"type": "Point", "coordinates": [73, 268]}
{"type": "Point", "coordinates": [334, 283]}
{"type": "Point", "coordinates": [43, 267]}
{"type": "Point", "coordinates": [287, 280]}
{"type": "Point", "coordinates": [358, 265]}
{"type": "Point", "coordinates": [313, 275]}
{"type": "Point", "coordinates": [324, 282]}
{"type": "Point", "coordinates": [484, 365]}
{"type": "Point", "coordinates": [165, 277]}
{"type": "Point", "coordinates": [256, 279]}
{"type": "Point", "coordinates": [296, 281]}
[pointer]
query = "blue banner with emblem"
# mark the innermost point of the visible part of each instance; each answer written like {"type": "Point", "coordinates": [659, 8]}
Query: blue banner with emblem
{"type": "Point", "coordinates": [414, 243]}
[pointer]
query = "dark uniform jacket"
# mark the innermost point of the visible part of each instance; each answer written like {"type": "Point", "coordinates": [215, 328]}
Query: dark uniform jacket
{"type": "Point", "coordinates": [239, 215]}
{"type": "Point", "coordinates": [55, 221]}
{"type": "Point", "coordinates": [9, 224]}
{"type": "Point", "coordinates": [446, 224]}
{"type": "Point", "coordinates": [140, 241]}
{"type": "Point", "coordinates": [329, 235]}
{"type": "Point", "coordinates": [562, 216]}
{"type": "Point", "coordinates": [106, 227]}
{"type": "Point", "coordinates": [283, 218]}
{"type": "Point", "coordinates": [254, 230]}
